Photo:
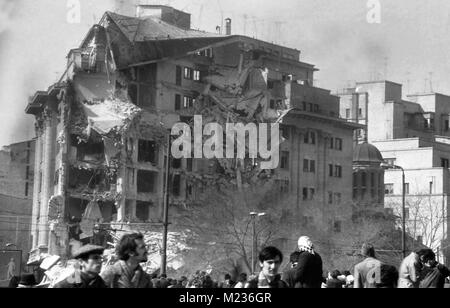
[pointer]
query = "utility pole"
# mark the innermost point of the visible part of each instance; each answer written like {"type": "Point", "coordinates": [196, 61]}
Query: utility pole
{"type": "Point", "coordinates": [166, 209]}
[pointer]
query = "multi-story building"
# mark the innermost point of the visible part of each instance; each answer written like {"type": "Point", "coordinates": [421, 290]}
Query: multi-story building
{"type": "Point", "coordinates": [101, 131]}
{"type": "Point", "coordinates": [412, 134]}
{"type": "Point", "coordinates": [16, 191]}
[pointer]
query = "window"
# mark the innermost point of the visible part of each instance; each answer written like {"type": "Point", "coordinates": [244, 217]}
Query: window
{"type": "Point", "coordinates": [188, 102]}
{"type": "Point", "coordinates": [360, 112]}
{"type": "Point", "coordinates": [177, 101]}
{"type": "Point", "coordinates": [283, 185]}
{"type": "Point", "coordinates": [142, 89]}
{"type": "Point", "coordinates": [178, 76]}
{"type": "Point", "coordinates": [143, 210]}
{"type": "Point", "coordinates": [309, 165]}
{"type": "Point", "coordinates": [285, 132]}
{"type": "Point", "coordinates": [388, 189]}
{"type": "Point", "coordinates": [305, 193]}
{"type": "Point", "coordinates": [27, 173]}
{"type": "Point", "coordinates": [431, 188]}
{"type": "Point", "coordinates": [331, 144]}
{"type": "Point", "coordinates": [330, 170]}
{"type": "Point", "coordinates": [304, 106]}
{"type": "Point", "coordinates": [206, 53]}
{"type": "Point", "coordinates": [446, 127]}
{"type": "Point", "coordinates": [284, 160]}
{"type": "Point", "coordinates": [197, 75]}
{"type": "Point", "coordinates": [188, 73]}
{"type": "Point", "coordinates": [311, 107]}
{"type": "Point", "coordinates": [272, 104]}
{"type": "Point", "coordinates": [270, 84]}
{"type": "Point", "coordinates": [176, 163]}
{"type": "Point", "coordinates": [310, 137]}
{"type": "Point", "coordinates": [330, 197]}
{"type": "Point", "coordinates": [146, 181]}
{"type": "Point", "coordinates": [189, 191]}
{"type": "Point", "coordinates": [347, 113]}
{"type": "Point", "coordinates": [444, 163]}
{"type": "Point", "coordinates": [391, 161]}
{"type": "Point", "coordinates": [316, 108]}
{"type": "Point", "coordinates": [26, 189]}
{"type": "Point", "coordinates": [176, 185]}
{"type": "Point", "coordinates": [189, 163]}
{"type": "Point", "coordinates": [337, 228]}
{"type": "Point", "coordinates": [363, 179]}
{"type": "Point", "coordinates": [338, 171]}
{"type": "Point", "coordinates": [407, 188]}
{"type": "Point", "coordinates": [337, 198]}
{"type": "Point", "coordinates": [148, 151]}
{"type": "Point", "coordinates": [338, 145]}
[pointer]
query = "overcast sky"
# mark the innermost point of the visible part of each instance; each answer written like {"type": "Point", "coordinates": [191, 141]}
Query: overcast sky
{"type": "Point", "coordinates": [410, 44]}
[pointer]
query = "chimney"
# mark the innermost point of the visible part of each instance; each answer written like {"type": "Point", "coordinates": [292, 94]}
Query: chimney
{"type": "Point", "coordinates": [228, 26]}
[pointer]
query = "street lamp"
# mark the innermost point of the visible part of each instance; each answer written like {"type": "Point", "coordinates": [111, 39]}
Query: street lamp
{"type": "Point", "coordinates": [391, 166]}
{"type": "Point", "coordinates": [253, 216]}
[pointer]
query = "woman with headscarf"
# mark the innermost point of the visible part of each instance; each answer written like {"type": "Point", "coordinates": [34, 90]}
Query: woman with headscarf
{"type": "Point", "coordinates": [308, 271]}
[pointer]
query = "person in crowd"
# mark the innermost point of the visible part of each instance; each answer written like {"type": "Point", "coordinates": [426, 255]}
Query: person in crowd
{"type": "Point", "coordinates": [27, 281]}
{"type": "Point", "coordinates": [410, 268]}
{"type": "Point", "coordinates": [163, 282]}
{"type": "Point", "coordinates": [227, 283]}
{"type": "Point", "coordinates": [308, 271]}
{"type": "Point", "coordinates": [242, 281]}
{"type": "Point", "coordinates": [333, 282]}
{"type": "Point", "coordinates": [433, 274]}
{"type": "Point", "coordinates": [270, 259]}
{"type": "Point", "coordinates": [90, 260]}
{"type": "Point", "coordinates": [288, 275]}
{"type": "Point", "coordinates": [127, 273]}
{"type": "Point", "coordinates": [372, 273]}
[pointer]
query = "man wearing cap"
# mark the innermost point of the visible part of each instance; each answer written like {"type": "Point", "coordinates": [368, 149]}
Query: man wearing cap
{"type": "Point", "coordinates": [90, 258]}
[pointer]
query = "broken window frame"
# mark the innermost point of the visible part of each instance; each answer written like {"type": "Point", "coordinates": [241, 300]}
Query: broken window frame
{"type": "Point", "coordinates": [151, 183]}
{"type": "Point", "coordinates": [284, 161]}
{"type": "Point", "coordinates": [151, 150]}
{"type": "Point", "coordinates": [188, 73]}
{"type": "Point", "coordinates": [188, 102]}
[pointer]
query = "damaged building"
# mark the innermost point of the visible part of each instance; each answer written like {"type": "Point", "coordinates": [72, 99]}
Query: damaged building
{"type": "Point", "coordinates": [102, 129]}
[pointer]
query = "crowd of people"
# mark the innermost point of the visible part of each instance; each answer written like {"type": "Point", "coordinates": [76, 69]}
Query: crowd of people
{"type": "Point", "coordinates": [419, 270]}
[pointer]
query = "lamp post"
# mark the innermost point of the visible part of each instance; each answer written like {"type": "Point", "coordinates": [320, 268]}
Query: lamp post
{"type": "Point", "coordinates": [391, 166]}
{"type": "Point", "coordinates": [166, 209]}
{"type": "Point", "coordinates": [253, 216]}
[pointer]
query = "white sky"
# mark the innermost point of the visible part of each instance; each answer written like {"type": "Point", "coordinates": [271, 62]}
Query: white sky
{"type": "Point", "coordinates": [411, 42]}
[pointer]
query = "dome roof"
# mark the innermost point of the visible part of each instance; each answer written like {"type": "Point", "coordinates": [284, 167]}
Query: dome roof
{"type": "Point", "coordinates": [367, 153]}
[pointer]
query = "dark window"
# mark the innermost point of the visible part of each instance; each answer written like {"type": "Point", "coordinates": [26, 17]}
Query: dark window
{"type": "Point", "coordinates": [360, 112]}
{"type": "Point", "coordinates": [176, 185]}
{"type": "Point", "coordinates": [347, 113]}
{"type": "Point", "coordinates": [189, 162]}
{"type": "Point", "coordinates": [305, 165]}
{"type": "Point", "coordinates": [178, 76]}
{"type": "Point", "coordinates": [313, 137]}
{"type": "Point", "coordinates": [363, 179]}
{"type": "Point", "coordinates": [312, 192]}
{"type": "Point", "coordinates": [189, 190]}
{"type": "Point", "coordinates": [305, 193]}
{"type": "Point", "coordinates": [146, 181]}
{"type": "Point", "coordinates": [312, 166]}
{"type": "Point", "coordinates": [27, 173]}
{"type": "Point", "coordinates": [285, 132]}
{"type": "Point", "coordinates": [176, 163]}
{"type": "Point", "coordinates": [270, 84]}
{"type": "Point", "coordinates": [338, 145]}
{"type": "Point", "coordinates": [446, 128]}
{"type": "Point", "coordinates": [304, 106]}
{"type": "Point", "coordinates": [133, 93]}
{"type": "Point", "coordinates": [177, 101]}
{"type": "Point", "coordinates": [337, 227]}
{"type": "Point", "coordinates": [330, 198]}
{"type": "Point", "coordinates": [26, 189]}
{"type": "Point", "coordinates": [272, 104]}
{"type": "Point", "coordinates": [311, 107]}
{"type": "Point", "coordinates": [284, 160]}
{"type": "Point", "coordinates": [444, 163]}
{"type": "Point", "coordinates": [143, 210]}
{"type": "Point", "coordinates": [148, 152]}
{"type": "Point", "coordinates": [316, 108]}
{"type": "Point", "coordinates": [89, 151]}
{"type": "Point", "coordinates": [330, 170]}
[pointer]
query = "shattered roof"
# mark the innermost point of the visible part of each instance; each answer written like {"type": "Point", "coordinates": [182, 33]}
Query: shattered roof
{"type": "Point", "coordinates": [151, 28]}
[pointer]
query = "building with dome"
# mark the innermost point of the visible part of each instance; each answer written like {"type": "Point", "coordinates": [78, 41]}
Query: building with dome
{"type": "Point", "coordinates": [368, 175]}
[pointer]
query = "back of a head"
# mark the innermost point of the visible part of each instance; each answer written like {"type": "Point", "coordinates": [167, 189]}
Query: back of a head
{"type": "Point", "coordinates": [242, 277]}
{"type": "Point", "coordinates": [293, 258]}
{"type": "Point", "coordinates": [427, 255]}
{"type": "Point", "coordinates": [127, 245]}
{"type": "Point", "coordinates": [368, 250]}
{"type": "Point", "coordinates": [227, 276]}
{"type": "Point", "coordinates": [334, 274]}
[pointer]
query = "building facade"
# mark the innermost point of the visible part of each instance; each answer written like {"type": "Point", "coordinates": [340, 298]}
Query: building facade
{"type": "Point", "coordinates": [414, 135]}
{"type": "Point", "coordinates": [102, 131]}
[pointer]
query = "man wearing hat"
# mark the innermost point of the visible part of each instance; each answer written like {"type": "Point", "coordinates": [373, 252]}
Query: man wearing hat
{"type": "Point", "coordinates": [90, 258]}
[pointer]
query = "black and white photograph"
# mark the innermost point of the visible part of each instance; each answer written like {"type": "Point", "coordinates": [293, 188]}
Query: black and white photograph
{"type": "Point", "coordinates": [224, 144]}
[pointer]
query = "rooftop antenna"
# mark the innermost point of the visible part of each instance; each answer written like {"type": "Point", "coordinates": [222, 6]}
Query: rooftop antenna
{"type": "Point", "coordinates": [221, 16]}
{"type": "Point", "coordinates": [245, 24]}
{"type": "Point", "coordinates": [431, 81]}
{"type": "Point", "coordinates": [255, 26]}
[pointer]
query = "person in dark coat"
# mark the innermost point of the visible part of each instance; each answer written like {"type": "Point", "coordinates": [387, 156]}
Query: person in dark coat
{"type": "Point", "coordinates": [308, 271]}
{"type": "Point", "coordinates": [333, 282]}
{"type": "Point", "coordinates": [90, 258]}
{"type": "Point", "coordinates": [433, 274]}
